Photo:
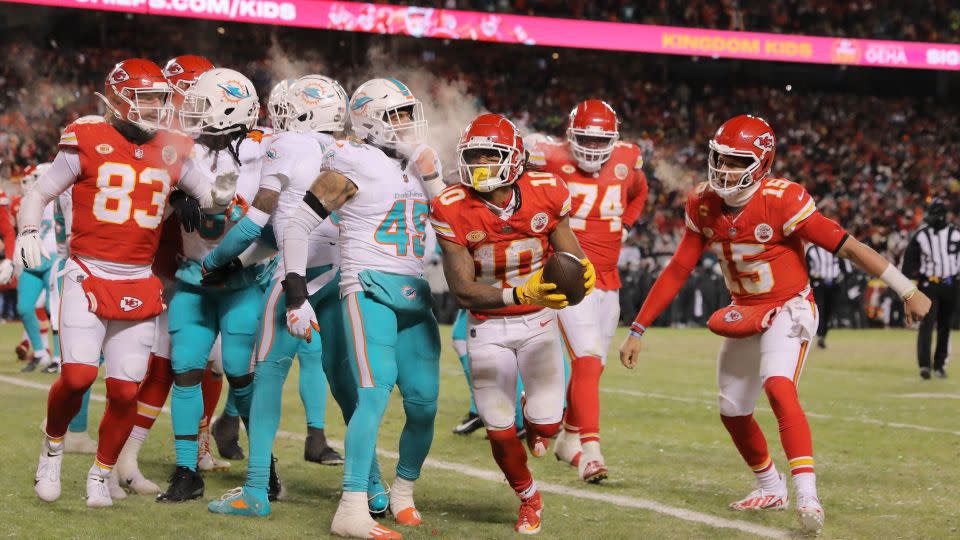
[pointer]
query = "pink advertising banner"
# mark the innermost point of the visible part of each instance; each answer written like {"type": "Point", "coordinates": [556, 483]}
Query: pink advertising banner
{"type": "Point", "coordinates": [468, 25]}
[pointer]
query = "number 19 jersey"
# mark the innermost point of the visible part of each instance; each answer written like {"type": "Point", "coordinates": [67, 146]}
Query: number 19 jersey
{"type": "Point", "coordinates": [383, 226]}
{"type": "Point", "coordinates": [507, 244]}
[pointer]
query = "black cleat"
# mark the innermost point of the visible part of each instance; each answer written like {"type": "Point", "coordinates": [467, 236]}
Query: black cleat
{"type": "Point", "coordinates": [31, 365]}
{"type": "Point", "coordinates": [940, 373]}
{"type": "Point", "coordinates": [925, 373]}
{"type": "Point", "coordinates": [53, 368]}
{"type": "Point", "coordinates": [226, 433]}
{"type": "Point", "coordinates": [470, 423]}
{"type": "Point", "coordinates": [185, 485]}
{"type": "Point", "coordinates": [822, 342]}
{"type": "Point", "coordinates": [275, 490]}
{"type": "Point", "coordinates": [316, 449]}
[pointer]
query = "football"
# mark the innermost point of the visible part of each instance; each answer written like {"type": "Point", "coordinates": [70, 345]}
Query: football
{"type": "Point", "coordinates": [564, 269]}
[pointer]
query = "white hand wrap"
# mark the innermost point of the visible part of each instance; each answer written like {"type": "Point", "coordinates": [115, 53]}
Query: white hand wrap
{"type": "Point", "coordinates": [900, 284]}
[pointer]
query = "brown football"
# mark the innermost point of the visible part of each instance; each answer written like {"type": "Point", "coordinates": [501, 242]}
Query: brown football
{"type": "Point", "coordinates": [564, 269]}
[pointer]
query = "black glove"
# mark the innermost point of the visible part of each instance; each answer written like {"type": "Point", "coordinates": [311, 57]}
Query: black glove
{"type": "Point", "coordinates": [188, 209]}
{"type": "Point", "coordinates": [215, 277]}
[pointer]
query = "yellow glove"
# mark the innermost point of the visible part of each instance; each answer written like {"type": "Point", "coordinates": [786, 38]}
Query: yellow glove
{"type": "Point", "coordinates": [536, 292]}
{"type": "Point", "coordinates": [589, 275]}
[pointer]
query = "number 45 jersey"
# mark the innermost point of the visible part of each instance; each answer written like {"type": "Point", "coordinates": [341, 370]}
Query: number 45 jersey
{"type": "Point", "coordinates": [383, 227]}
{"type": "Point", "coordinates": [507, 244]}
{"type": "Point", "coordinates": [761, 249]}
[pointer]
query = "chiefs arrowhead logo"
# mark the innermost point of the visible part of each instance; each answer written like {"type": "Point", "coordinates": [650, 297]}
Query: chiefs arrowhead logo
{"type": "Point", "coordinates": [732, 316]}
{"type": "Point", "coordinates": [119, 75]}
{"type": "Point", "coordinates": [765, 142]}
{"type": "Point", "coordinates": [129, 303]}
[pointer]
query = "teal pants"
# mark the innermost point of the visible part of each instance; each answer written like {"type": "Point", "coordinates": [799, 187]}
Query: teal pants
{"type": "Point", "coordinates": [32, 283]}
{"type": "Point", "coordinates": [196, 316]}
{"type": "Point", "coordinates": [386, 348]}
{"type": "Point", "coordinates": [274, 354]}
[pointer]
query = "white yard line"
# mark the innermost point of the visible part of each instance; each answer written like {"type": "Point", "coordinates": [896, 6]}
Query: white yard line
{"type": "Point", "coordinates": [859, 419]}
{"type": "Point", "coordinates": [557, 489]}
{"type": "Point", "coordinates": [928, 396]}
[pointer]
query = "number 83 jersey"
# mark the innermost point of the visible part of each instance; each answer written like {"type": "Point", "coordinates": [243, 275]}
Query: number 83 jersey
{"type": "Point", "coordinates": [760, 250]}
{"type": "Point", "coordinates": [383, 227]}
{"type": "Point", "coordinates": [507, 244]}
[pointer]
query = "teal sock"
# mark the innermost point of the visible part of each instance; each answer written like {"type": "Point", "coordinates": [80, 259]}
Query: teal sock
{"type": "Point", "coordinates": [56, 344]}
{"type": "Point", "coordinates": [230, 408]}
{"type": "Point", "coordinates": [519, 417]}
{"type": "Point", "coordinates": [265, 408]}
{"type": "Point", "coordinates": [361, 440]}
{"type": "Point", "coordinates": [79, 422]}
{"type": "Point", "coordinates": [566, 377]}
{"type": "Point", "coordinates": [313, 383]}
{"type": "Point", "coordinates": [241, 399]}
{"type": "Point", "coordinates": [186, 408]}
{"type": "Point", "coordinates": [465, 362]}
{"type": "Point", "coordinates": [416, 437]}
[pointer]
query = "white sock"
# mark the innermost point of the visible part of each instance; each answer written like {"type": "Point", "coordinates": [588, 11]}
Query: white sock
{"type": "Point", "coordinates": [591, 451]}
{"type": "Point", "coordinates": [769, 479]}
{"type": "Point", "coordinates": [138, 434]}
{"type": "Point", "coordinates": [401, 495]}
{"type": "Point", "coordinates": [98, 469]}
{"type": "Point", "coordinates": [529, 492]}
{"type": "Point", "coordinates": [355, 502]}
{"type": "Point", "coordinates": [805, 484]}
{"type": "Point", "coordinates": [53, 447]}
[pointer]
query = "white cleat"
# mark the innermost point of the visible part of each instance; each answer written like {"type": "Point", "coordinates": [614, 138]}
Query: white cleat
{"type": "Point", "coordinates": [568, 448]}
{"type": "Point", "coordinates": [592, 468]}
{"type": "Point", "coordinates": [128, 472]}
{"type": "Point", "coordinates": [113, 485]}
{"type": "Point", "coordinates": [47, 481]}
{"type": "Point", "coordinates": [353, 520]}
{"type": "Point", "coordinates": [206, 462]}
{"type": "Point", "coordinates": [98, 492]}
{"type": "Point", "coordinates": [810, 514]}
{"type": "Point", "coordinates": [763, 499]}
{"type": "Point", "coordinates": [79, 442]}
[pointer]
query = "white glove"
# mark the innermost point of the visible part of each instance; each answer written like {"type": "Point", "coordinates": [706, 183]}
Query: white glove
{"type": "Point", "coordinates": [30, 250]}
{"type": "Point", "coordinates": [302, 321]}
{"type": "Point", "coordinates": [6, 271]}
{"type": "Point", "coordinates": [224, 188]}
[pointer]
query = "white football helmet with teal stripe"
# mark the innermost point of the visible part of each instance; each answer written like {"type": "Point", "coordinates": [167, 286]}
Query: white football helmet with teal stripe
{"type": "Point", "coordinates": [222, 101]}
{"type": "Point", "coordinates": [385, 113]}
{"type": "Point", "coordinates": [316, 103]}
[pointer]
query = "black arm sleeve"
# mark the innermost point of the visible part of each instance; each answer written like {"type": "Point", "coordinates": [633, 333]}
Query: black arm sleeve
{"type": "Point", "coordinates": [911, 258]}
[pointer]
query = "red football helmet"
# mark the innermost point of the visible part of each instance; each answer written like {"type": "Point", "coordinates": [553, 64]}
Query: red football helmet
{"type": "Point", "coordinates": [182, 72]}
{"type": "Point", "coordinates": [490, 135]}
{"type": "Point", "coordinates": [136, 91]}
{"type": "Point", "coordinates": [592, 132]}
{"type": "Point", "coordinates": [741, 154]}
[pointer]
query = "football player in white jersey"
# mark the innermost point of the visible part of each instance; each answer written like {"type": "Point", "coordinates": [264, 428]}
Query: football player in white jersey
{"type": "Point", "coordinates": [381, 200]}
{"type": "Point", "coordinates": [33, 282]}
{"type": "Point", "coordinates": [219, 111]}
{"type": "Point", "coordinates": [314, 110]}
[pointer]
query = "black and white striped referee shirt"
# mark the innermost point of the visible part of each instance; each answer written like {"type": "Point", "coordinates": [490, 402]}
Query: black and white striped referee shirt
{"type": "Point", "coordinates": [822, 265]}
{"type": "Point", "coordinates": [933, 253]}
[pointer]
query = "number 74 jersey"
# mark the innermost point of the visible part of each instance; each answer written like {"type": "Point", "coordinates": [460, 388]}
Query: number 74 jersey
{"type": "Point", "coordinates": [507, 244]}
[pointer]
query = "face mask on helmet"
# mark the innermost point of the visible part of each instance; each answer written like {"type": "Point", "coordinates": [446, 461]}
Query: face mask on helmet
{"type": "Point", "coordinates": [316, 103]}
{"type": "Point", "coordinates": [222, 102]}
{"type": "Point", "coordinates": [591, 147]}
{"type": "Point", "coordinates": [385, 113]}
{"type": "Point", "coordinates": [486, 166]}
{"type": "Point", "coordinates": [148, 108]}
{"type": "Point", "coordinates": [732, 174]}
{"type": "Point", "coordinates": [278, 107]}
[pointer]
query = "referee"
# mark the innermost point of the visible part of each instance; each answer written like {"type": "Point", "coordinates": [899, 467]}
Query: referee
{"type": "Point", "coordinates": [933, 259]}
{"type": "Point", "coordinates": [826, 277]}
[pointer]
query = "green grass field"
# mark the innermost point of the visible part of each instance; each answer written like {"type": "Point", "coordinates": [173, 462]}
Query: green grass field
{"type": "Point", "coordinates": [887, 446]}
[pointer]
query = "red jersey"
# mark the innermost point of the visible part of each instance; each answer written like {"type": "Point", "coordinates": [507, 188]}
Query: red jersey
{"type": "Point", "coordinates": [761, 249]}
{"type": "Point", "coordinates": [601, 202]}
{"type": "Point", "coordinates": [507, 245]}
{"type": "Point", "coordinates": [121, 192]}
{"type": "Point", "coordinates": [7, 221]}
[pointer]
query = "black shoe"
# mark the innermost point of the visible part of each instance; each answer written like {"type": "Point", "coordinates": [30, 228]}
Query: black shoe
{"type": "Point", "coordinates": [275, 489]}
{"type": "Point", "coordinates": [924, 373]}
{"type": "Point", "coordinates": [316, 449]}
{"type": "Point", "coordinates": [53, 368]}
{"type": "Point", "coordinates": [470, 423]}
{"type": "Point", "coordinates": [940, 373]}
{"type": "Point", "coordinates": [185, 485]}
{"type": "Point", "coordinates": [31, 365]}
{"type": "Point", "coordinates": [226, 433]}
{"type": "Point", "coordinates": [822, 342]}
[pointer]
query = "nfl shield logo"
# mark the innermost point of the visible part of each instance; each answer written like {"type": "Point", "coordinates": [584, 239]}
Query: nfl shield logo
{"type": "Point", "coordinates": [138, 153]}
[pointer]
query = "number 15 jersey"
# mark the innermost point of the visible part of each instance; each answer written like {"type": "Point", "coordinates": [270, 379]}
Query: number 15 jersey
{"type": "Point", "coordinates": [507, 244]}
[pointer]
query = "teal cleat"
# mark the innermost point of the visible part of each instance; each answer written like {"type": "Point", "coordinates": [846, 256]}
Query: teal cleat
{"type": "Point", "coordinates": [378, 499]}
{"type": "Point", "coordinates": [240, 502]}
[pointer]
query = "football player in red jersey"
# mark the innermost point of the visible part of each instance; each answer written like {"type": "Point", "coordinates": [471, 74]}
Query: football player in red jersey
{"type": "Point", "coordinates": [608, 192]}
{"type": "Point", "coordinates": [496, 231]}
{"type": "Point", "coordinates": [119, 173]}
{"type": "Point", "coordinates": [756, 225]}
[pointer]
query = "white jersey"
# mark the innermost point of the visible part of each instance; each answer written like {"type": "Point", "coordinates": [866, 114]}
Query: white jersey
{"type": "Point", "coordinates": [197, 244]}
{"type": "Point", "coordinates": [63, 221]}
{"type": "Point", "coordinates": [291, 163]}
{"type": "Point", "coordinates": [48, 231]}
{"type": "Point", "coordinates": [383, 226]}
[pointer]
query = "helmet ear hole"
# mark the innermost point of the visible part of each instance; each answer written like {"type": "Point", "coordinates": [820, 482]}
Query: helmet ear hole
{"type": "Point", "coordinates": [228, 110]}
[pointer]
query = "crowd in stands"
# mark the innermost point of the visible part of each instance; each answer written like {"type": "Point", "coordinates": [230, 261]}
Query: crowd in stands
{"type": "Point", "coordinates": [917, 20]}
{"type": "Point", "coordinates": [872, 162]}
